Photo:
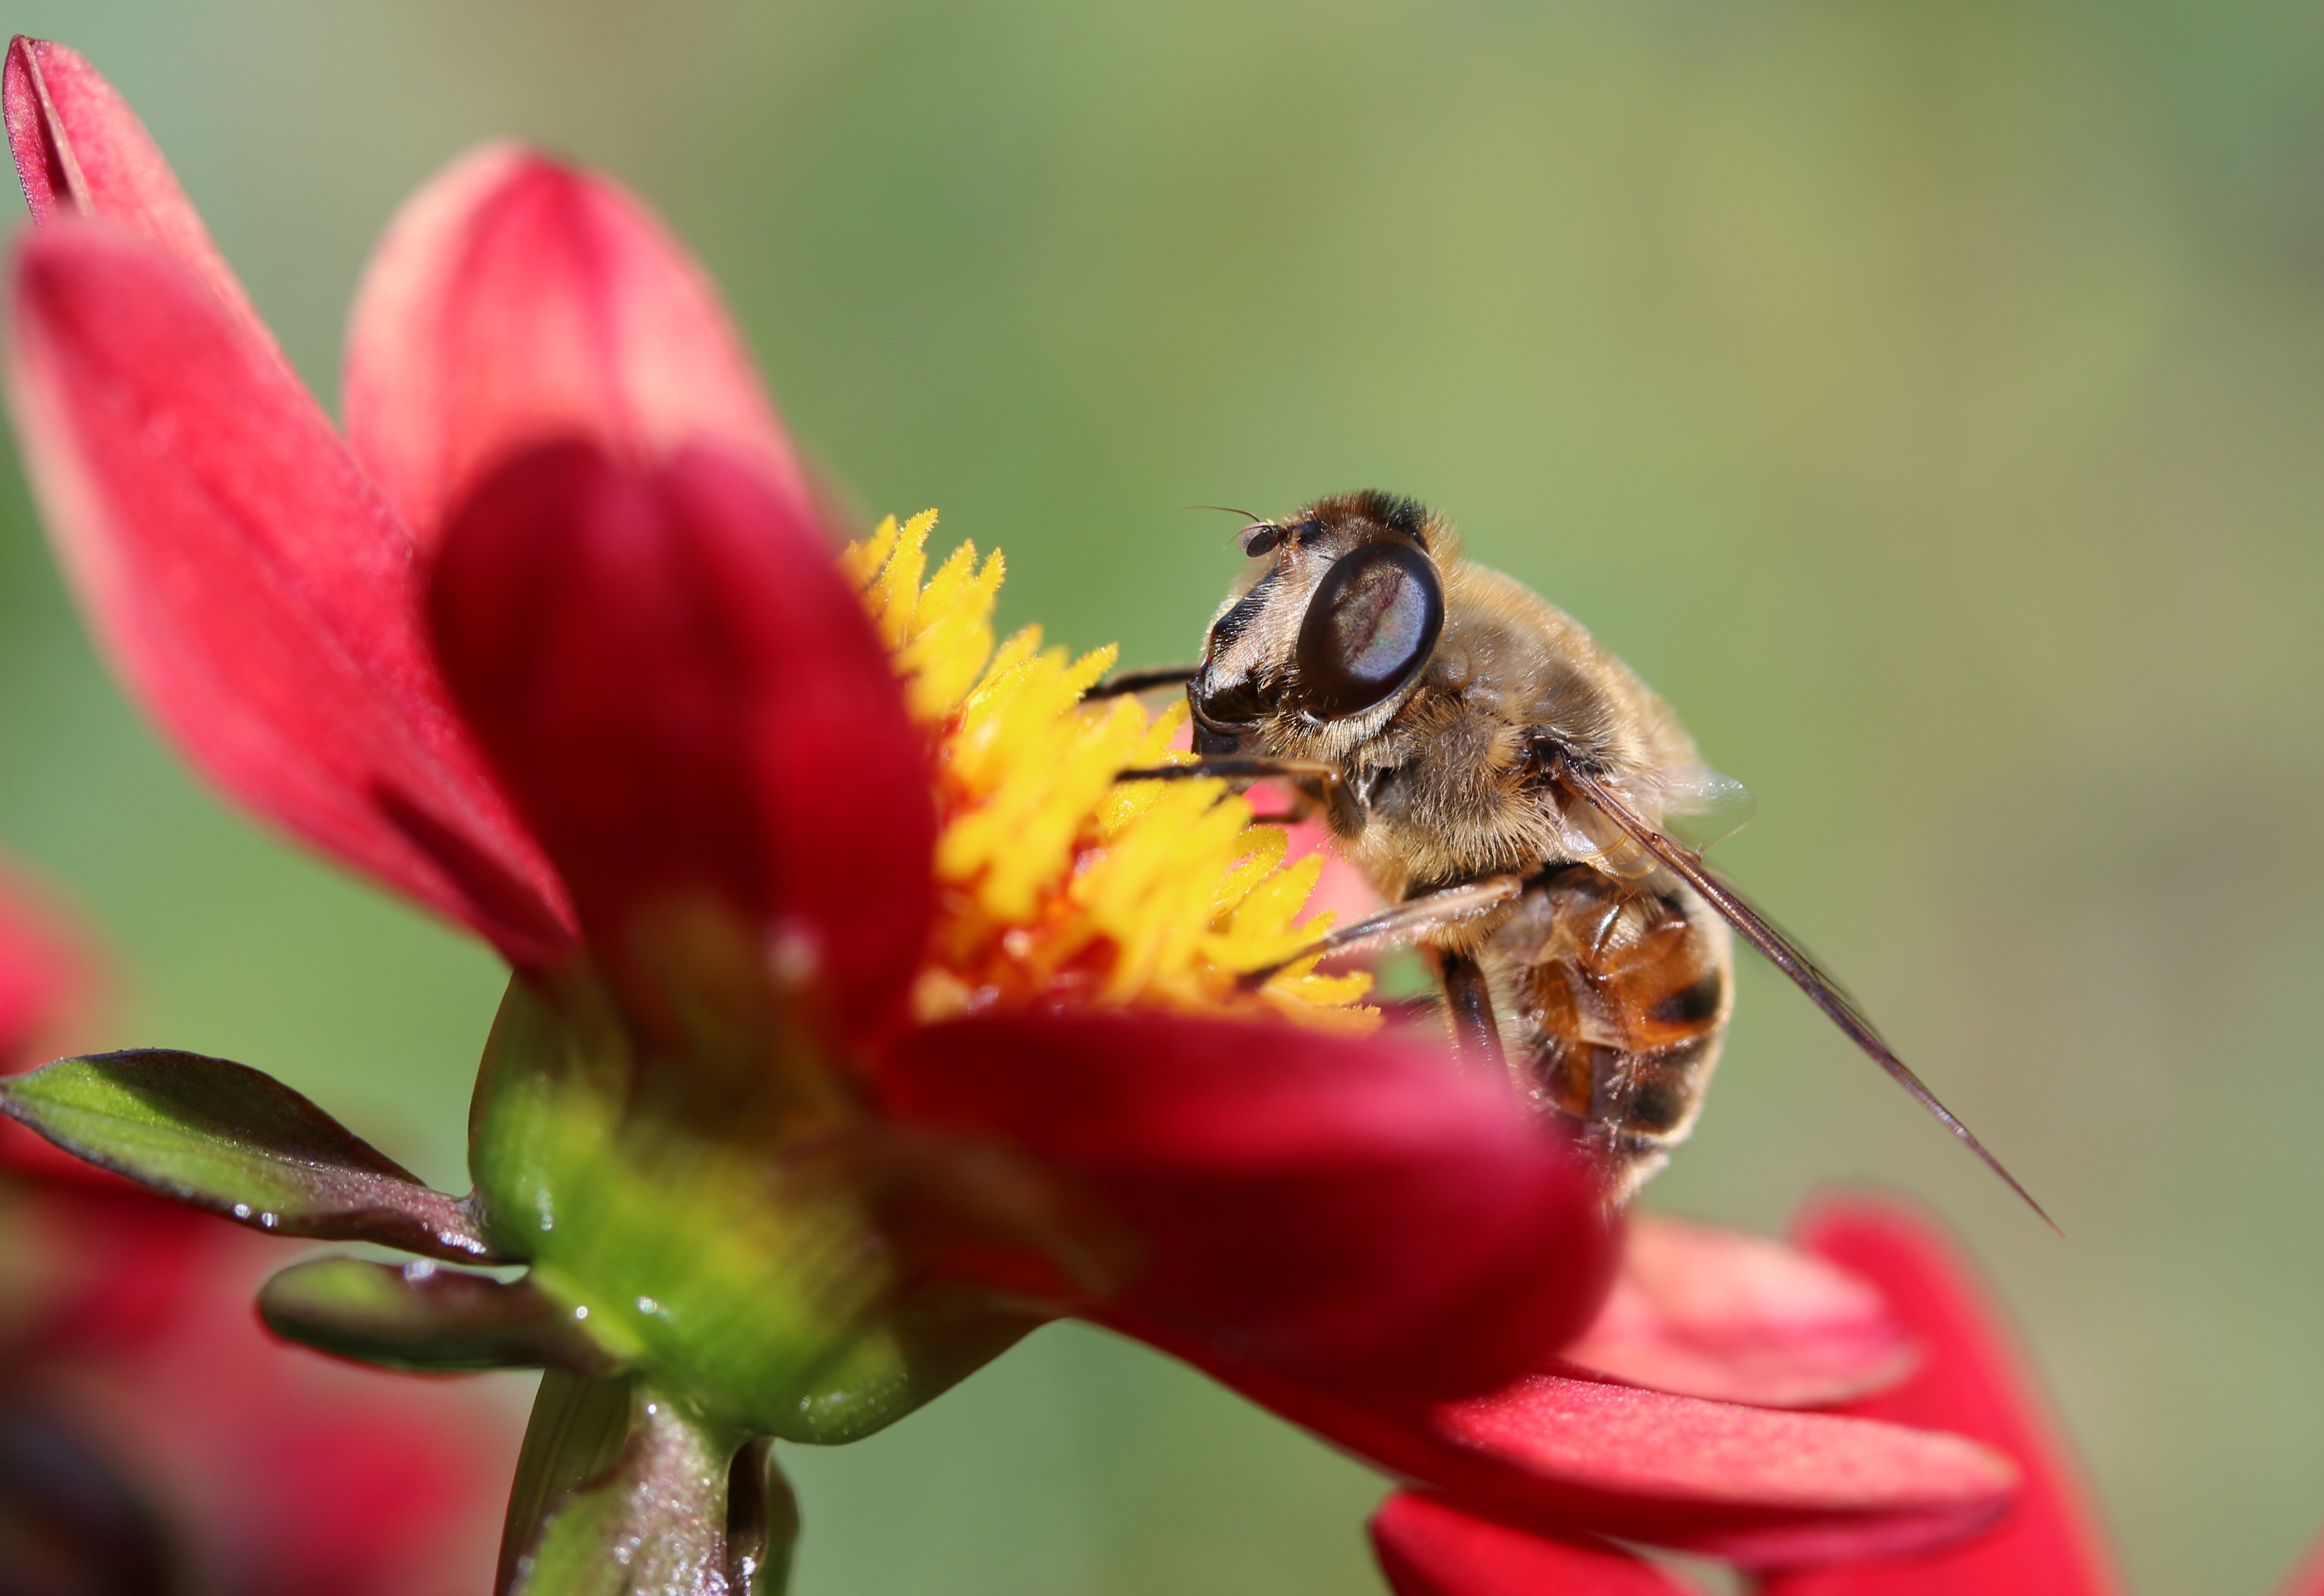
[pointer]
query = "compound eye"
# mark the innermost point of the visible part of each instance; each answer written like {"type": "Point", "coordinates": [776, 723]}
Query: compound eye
{"type": "Point", "coordinates": [1372, 622]}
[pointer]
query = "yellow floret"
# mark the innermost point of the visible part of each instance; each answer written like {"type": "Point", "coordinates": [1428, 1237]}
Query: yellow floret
{"type": "Point", "coordinates": [1057, 883]}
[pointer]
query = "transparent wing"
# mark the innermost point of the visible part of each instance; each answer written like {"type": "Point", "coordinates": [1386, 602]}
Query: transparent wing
{"type": "Point", "coordinates": [1702, 807]}
{"type": "Point", "coordinates": [1786, 954]}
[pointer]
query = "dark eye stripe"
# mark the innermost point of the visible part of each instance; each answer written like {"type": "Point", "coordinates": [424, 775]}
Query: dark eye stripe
{"type": "Point", "coordinates": [1230, 627]}
{"type": "Point", "coordinates": [1373, 621]}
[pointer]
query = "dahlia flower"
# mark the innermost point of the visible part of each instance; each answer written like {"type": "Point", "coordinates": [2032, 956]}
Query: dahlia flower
{"type": "Point", "coordinates": [861, 1020]}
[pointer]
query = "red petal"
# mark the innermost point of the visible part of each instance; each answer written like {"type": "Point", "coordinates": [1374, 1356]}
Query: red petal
{"type": "Point", "coordinates": [81, 150]}
{"type": "Point", "coordinates": [515, 299]}
{"type": "Point", "coordinates": [1429, 1547]}
{"type": "Point", "coordinates": [1356, 1213]}
{"type": "Point", "coordinates": [1757, 1486]}
{"type": "Point", "coordinates": [1970, 1380]}
{"type": "Point", "coordinates": [1711, 1313]}
{"type": "Point", "coordinates": [686, 698]}
{"type": "Point", "coordinates": [249, 582]}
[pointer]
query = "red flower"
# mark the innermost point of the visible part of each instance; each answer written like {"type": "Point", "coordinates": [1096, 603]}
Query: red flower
{"type": "Point", "coordinates": [153, 1436]}
{"type": "Point", "coordinates": [554, 642]}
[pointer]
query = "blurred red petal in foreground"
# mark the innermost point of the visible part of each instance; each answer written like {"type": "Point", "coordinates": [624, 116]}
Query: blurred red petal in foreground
{"type": "Point", "coordinates": [1272, 1179]}
{"type": "Point", "coordinates": [667, 671]}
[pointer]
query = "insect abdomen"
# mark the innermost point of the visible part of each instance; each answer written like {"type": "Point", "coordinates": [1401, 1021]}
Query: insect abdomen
{"type": "Point", "coordinates": [1618, 994]}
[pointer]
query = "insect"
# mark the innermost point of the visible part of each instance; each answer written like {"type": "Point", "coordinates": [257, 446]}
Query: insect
{"type": "Point", "coordinates": [1522, 800]}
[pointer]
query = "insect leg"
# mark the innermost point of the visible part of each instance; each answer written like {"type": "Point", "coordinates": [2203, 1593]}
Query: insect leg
{"type": "Point", "coordinates": [1347, 815]}
{"type": "Point", "coordinates": [1144, 681]}
{"type": "Point", "coordinates": [1299, 811]}
{"type": "Point", "coordinates": [1476, 1036]}
{"type": "Point", "coordinates": [1237, 767]}
{"type": "Point", "coordinates": [1405, 923]}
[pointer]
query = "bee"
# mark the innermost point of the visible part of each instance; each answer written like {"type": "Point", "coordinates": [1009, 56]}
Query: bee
{"type": "Point", "coordinates": [1522, 800]}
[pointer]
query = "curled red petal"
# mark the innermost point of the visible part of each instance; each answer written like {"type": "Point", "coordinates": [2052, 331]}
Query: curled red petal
{"type": "Point", "coordinates": [82, 150]}
{"type": "Point", "coordinates": [1970, 1380]}
{"type": "Point", "coordinates": [689, 707]}
{"type": "Point", "coordinates": [1761, 1487]}
{"type": "Point", "coordinates": [1427, 1547]}
{"type": "Point", "coordinates": [1705, 1311]}
{"type": "Point", "coordinates": [515, 299]}
{"type": "Point", "coordinates": [249, 583]}
{"type": "Point", "coordinates": [1358, 1214]}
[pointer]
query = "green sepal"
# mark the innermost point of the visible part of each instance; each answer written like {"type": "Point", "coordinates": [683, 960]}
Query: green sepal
{"type": "Point", "coordinates": [417, 1316]}
{"type": "Point", "coordinates": [223, 1136]}
{"type": "Point", "coordinates": [653, 1524]}
{"type": "Point", "coordinates": [579, 1424]}
{"type": "Point", "coordinates": [928, 1343]}
{"type": "Point", "coordinates": [733, 1258]}
{"type": "Point", "coordinates": [762, 1522]}
{"type": "Point", "coordinates": [743, 1259]}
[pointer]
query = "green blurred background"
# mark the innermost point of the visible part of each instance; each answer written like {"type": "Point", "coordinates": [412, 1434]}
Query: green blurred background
{"type": "Point", "coordinates": [1926, 397]}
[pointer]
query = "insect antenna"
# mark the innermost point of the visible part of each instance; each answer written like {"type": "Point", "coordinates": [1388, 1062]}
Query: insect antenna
{"type": "Point", "coordinates": [1782, 952]}
{"type": "Point", "coordinates": [1258, 536]}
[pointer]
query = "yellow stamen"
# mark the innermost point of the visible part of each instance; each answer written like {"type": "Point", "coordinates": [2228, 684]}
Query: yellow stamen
{"type": "Point", "coordinates": [1058, 884]}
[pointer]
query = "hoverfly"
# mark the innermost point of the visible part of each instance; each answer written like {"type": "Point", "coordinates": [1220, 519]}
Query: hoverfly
{"type": "Point", "coordinates": [1522, 800]}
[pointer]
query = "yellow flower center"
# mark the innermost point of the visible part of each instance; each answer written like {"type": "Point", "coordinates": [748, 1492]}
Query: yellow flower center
{"type": "Point", "coordinates": [1056, 882]}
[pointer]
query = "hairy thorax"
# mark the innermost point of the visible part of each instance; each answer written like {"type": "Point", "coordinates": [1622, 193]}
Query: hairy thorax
{"type": "Point", "coordinates": [1448, 788]}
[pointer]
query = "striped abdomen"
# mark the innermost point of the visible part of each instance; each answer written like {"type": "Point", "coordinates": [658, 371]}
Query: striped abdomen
{"type": "Point", "coordinates": [1615, 996]}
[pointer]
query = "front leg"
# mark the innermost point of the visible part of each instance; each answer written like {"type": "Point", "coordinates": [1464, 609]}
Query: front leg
{"type": "Point", "coordinates": [1468, 996]}
{"type": "Point", "coordinates": [1125, 682]}
{"type": "Point", "coordinates": [1405, 924]}
{"type": "Point", "coordinates": [1318, 780]}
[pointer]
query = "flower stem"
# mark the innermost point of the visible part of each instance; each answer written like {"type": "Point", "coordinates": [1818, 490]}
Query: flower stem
{"type": "Point", "coordinates": [622, 1493]}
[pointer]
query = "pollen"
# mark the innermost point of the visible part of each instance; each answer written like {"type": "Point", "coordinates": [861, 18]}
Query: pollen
{"type": "Point", "coordinates": [1059, 884]}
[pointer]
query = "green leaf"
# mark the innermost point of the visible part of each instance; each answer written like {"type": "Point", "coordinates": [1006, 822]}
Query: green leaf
{"type": "Point", "coordinates": [223, 1136]}
{"type": "Point", "coordinates": [418, 1316]}
{"type": "Point", "coordinates": [654, 1524]}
